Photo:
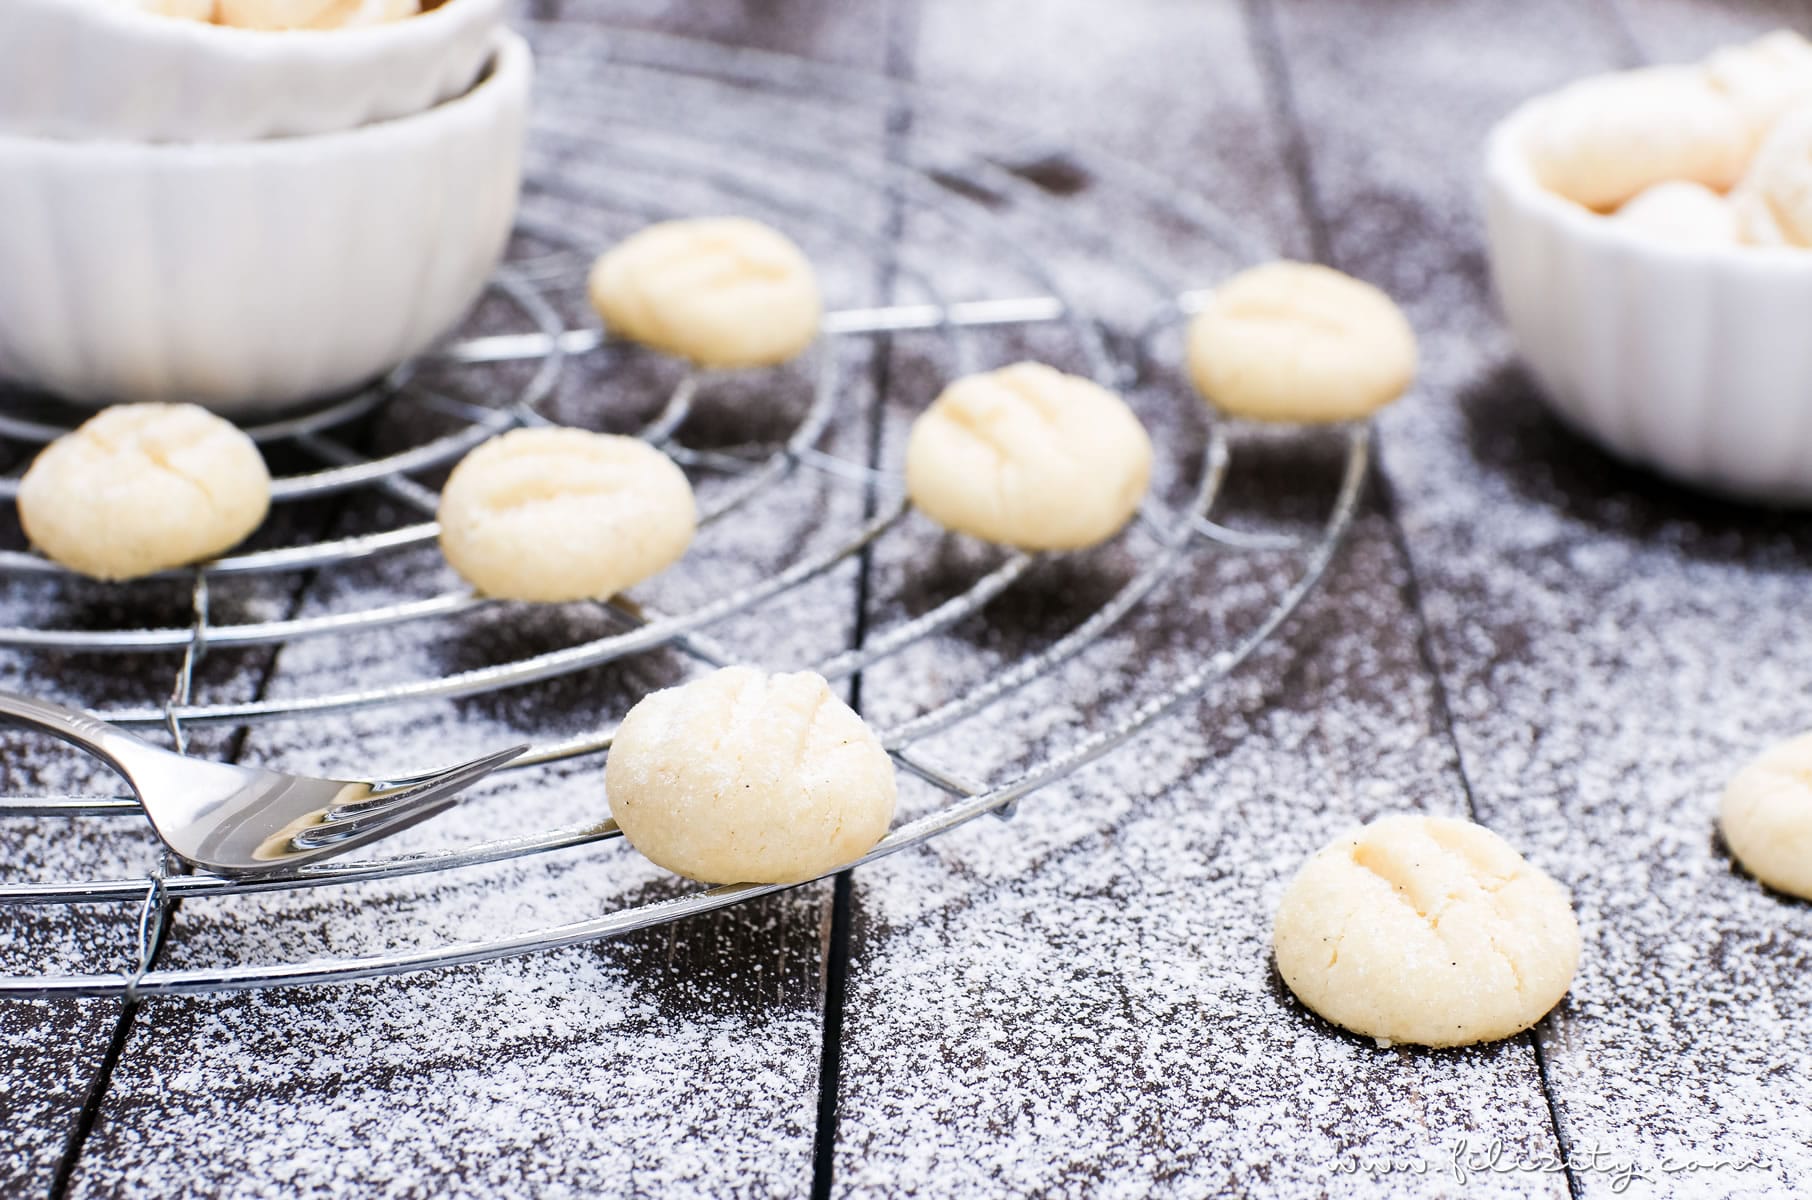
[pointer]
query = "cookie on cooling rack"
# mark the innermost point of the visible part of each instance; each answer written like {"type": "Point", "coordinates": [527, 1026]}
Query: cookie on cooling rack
{"type": "Point", "coordinates": [1766, 817]}
{"type": "Point", "coordinates": [721, 291]}
{"type": "Point", "coordinates": [1297, 342]}
{"type": "Point", "coordinates": [746, 777]}
{"type": "Point", "coordinates": [1027, 456]}
{"type": "Point", "coordinates": [141, 488]}
{"type": "Point", "coordinates": [553, 515]}
{"type": "Point", "coordinates": [1426, 930]}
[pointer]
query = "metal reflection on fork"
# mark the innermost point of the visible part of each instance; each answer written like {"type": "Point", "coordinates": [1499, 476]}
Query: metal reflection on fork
{"type": "Point", "coordinates": [247, 821]}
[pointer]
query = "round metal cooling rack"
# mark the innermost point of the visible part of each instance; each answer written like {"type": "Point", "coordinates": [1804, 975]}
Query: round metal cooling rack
{"type": "Point", "coordinates": [736, 130]}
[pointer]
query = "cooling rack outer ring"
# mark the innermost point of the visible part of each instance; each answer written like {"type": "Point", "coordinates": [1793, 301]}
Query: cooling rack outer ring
{"type": "Point", "coordinates": [1179, 533]}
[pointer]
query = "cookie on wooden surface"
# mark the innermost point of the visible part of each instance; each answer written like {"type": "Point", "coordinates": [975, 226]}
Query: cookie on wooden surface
{"type": "Point", "coordinates": [746, 777]}
{"type": "Point", "coordinates": [1030, 457]}
{"type": "Point", "coordinates": [1297, 342]}
{"type": "Point", "coordinates": [1426, 930]}
{"type": "Point", "coordinates": [553, 515]}
{"type": "Point", "coordinates": [141, 488]}
{"type": "Point", "coordinates": [1766, 817]}
{"type": "Point", "coordinates": [721, 291]}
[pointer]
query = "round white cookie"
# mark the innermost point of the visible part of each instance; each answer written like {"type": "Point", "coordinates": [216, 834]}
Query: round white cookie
{"type": "Point", "coordinates": [1764, 78]}
{"type": "Point", "coordinates": [1766, 817]}
{"type": "Point", "coordinates": [1602, 140]}
{"type": "Point", "coordinates": [189, 10]}
{"type": "Point", "coordinates": [1774, 199]}
{"type": "Point", "coordinates": [1030, 457]}
{"type": "Point", "coordinates": [746, 777]}
{"type": "Point", "coordinates": [721, 291]}
{"type": "Point", "coordinates": [1685, 214]}
{"type": "Point", "coordinates": [141, 488]}
{"type": "Point", "coordinates": [356, 13]}
{"type": "Point", "coordinates": [553, 515]}
{"type": "Point", "coordinates": [1291, 341]}
{"type": "Point", "coordinates": [1428, 930]}
{"type": "Point", "coordinates": [313, 14]}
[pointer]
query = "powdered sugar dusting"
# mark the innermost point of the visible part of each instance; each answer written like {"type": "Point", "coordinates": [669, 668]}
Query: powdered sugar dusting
{"type": "Point", "coordinates": [1080, 1001]}
{"type": "Point", "coordinates": [682, 1061]}
{"type": "Point", "coordinates": [1612, 650]}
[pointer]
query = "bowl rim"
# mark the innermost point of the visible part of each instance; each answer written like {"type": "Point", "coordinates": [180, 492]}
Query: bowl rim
{"type": "Point", "coordinates": [507, 62]}
{"type": "Point", "coordinates": [1509, 175]}
{"type": "Point", "coordinates": [179, 34]}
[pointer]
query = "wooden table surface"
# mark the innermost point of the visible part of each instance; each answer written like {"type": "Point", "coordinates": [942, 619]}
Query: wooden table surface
{"type": "Point", "coordinates": [1079, 1001]}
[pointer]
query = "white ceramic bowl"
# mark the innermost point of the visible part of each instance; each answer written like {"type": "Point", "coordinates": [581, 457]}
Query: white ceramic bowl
{"type": "Point", "coordinates": [1693, 360]}
{"type": "Point", "coordinates": [90, 69]}
{"type": "Point", "coordinates": [253, 277]}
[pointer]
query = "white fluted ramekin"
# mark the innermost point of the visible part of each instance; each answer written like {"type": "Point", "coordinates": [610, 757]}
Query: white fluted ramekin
{"type": "Point", "coordinates": [1693, 360]}
{"type": "Point", "coordinates": [90, 69]}
{"type": "Point", "coordinates": [253, 277]}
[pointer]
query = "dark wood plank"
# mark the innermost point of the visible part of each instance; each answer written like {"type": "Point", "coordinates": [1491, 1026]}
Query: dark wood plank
{"type": "Point", "coordinates": [678, 1062]}
{"type": "Point", "coordinates": [57, 1049]}
{"type": "Point", "coordinates": [1612, 646]}
{"type": "Point", "coordinates": [1684, 30]}
{"type": "Point", "coordinates": [1081, 1002]}
{"type": "Point", "coordinates": [820, 30]}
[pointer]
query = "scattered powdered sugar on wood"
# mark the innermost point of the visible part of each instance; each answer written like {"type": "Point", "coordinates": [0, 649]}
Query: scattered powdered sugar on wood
{"type": "Point", "coordinates": [1079, 1001]}
{"type": "Point", "coordinates": [679, 1061]}
{"type": "Point", "coordinates": [1612, 648]}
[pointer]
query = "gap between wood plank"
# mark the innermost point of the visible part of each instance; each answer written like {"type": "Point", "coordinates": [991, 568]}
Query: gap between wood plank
{"type": "Point", "coordinates": [89, 1114]}
{"type": "Point", "coordinates": [1412, 592]}
{"type": "Point", "coordinates": [902, 28]}
{"type": "Point", "coordinates": [1274, 74]}
{"type": "Point", "coordinates": [1274, 78]}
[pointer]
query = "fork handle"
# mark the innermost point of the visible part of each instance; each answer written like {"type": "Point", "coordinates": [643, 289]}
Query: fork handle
{"type": "Point", "coordinates": [111, 744]}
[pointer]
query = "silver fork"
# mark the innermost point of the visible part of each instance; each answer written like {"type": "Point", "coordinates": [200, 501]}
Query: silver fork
{"type": "Point", "coordinates": [236, 820]}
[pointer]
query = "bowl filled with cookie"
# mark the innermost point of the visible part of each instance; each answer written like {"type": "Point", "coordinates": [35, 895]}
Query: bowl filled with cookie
{"type": "Point", "coordinates": [232, 70]}
{"type": "Point", "coordinates": [1650, 234]}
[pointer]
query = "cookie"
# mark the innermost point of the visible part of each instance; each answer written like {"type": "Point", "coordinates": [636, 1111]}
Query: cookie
{"type": "Point", "coordinates": [1685, 214]}
{"type": "Point", "coordinates": [1766, 817]}
{"type": "Point", "coordinates": [1774, 198]}
{"type": "Point", "coordinates": [1601, 141]}
{"type": "Point", "coordinates": [1296, 342]}
{"type": "Point", "coordinates": [746, 777]}
{"type": "Point", "coordinates": [1426, 930]}
{"type": "Point", "coordinates": [141, 488]}
{"type": "Point", "coordinates": [721, 291]}
{"type": "Point", "coordinates": [1030, 457]}
{"type": "Point", "coordinates": [1764, 78]}
{"type": "Point", "coordinates": [312, 14]}
{"type": "Point", "coordinates": [552, 515]}
{"type": "Point", "coordinates": [188, 10]}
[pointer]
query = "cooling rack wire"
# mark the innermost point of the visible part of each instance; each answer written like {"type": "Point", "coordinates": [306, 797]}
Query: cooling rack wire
{"type": "Point", "coordinates": [724, 128]}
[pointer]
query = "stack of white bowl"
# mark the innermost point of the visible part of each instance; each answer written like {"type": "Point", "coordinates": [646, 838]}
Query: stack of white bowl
{"type": "Point", "coordinates": [242, 218]}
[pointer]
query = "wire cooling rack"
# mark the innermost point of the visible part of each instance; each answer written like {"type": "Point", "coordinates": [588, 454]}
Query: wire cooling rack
{"type": "Point", "coordinates": [632, 128]}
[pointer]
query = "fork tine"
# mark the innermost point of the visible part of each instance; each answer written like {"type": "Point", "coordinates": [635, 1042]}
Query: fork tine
{"type": "Point", "coordinates": [419, 786]}
{"type": "Point", "coordinates": [344, 835]}
{"type": "Point", "coordinates": [349, 825]}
